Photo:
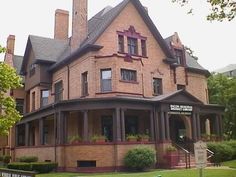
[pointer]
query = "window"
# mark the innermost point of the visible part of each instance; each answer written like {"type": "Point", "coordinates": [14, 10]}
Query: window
{"type": "Point", "coordinates": [58, 91]}
{"type": "Point", "coordinates": [157, 86]}
{"type": "Point", "coordinates": [20, 105]}
{"type": "Point", "coordinates": [20, 135]}
{"type": "Point", "coordinates": [44, 97]}
{"type": "Point", "coordinates": [179, 56]}
{"type": "Point", "coordinates": [106, 80]}
{"type": "Point", "coordinates": [32, 69]}
{"type": "Point", "coordinates": [128, 75]}
{"type": "Point", "coordinates": [121, 43]}
{"type": "Point", "coordinates": [84, 84]}
{"type": "Point", "coordinates": [180, 87]}
{"type": "Point", "coordinates": [132, 46]}
{"type": "Point", "coordinates": [33, 101]}
{"type": "Point", "coordinates": [131, 125]}
{"type": "Point", "coordinates": [144, 48]}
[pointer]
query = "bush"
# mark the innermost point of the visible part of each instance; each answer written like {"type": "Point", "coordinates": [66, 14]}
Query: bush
{"type": "Point", "coordinates": [232, 144]}
{"type": "Point", "coordinates": [43, 167]}
{"type": "Point", "coordinates": [139, 158]}
{"type": "Point", "coordinates": [28, 159]}
{"type": "Point", "coordinates": [6, 159]}
{"type": "Point", "coordinates": [222, 152]}
{"type": "Point", "coordinates": [20, 166]}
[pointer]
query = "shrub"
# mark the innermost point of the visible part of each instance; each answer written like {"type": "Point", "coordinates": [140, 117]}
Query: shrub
{"type": "Point", "coordinates": [20, 166]}
{"type": "Point", "coordinates": [232, 144]}
{"type": "Point", "coordinates": [28, 159]}
{"type": "Point", "coordinates": [222, 152]}
{"type": "Point", "coordinates": [139, 158]}
{"type": "Point", "coordinates": [6, 159]}
{"type": "Point", "coordinates": [43, 167]}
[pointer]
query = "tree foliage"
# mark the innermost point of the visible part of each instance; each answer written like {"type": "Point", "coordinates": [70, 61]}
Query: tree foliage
{"type": "Point", "coordinates": [8, 113]}
{"type": "Point", "coordinates": [222, 90]}
{"type": "Point", "coordinates": [220, 9]}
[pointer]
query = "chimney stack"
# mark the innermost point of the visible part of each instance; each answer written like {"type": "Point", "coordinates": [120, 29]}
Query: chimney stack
{"type": "Point", "coordinates": [10, 44]}
{"type": "Point", "coordinates": [61, 27]}
{"type": "Point", "coordinates": [79, 23]}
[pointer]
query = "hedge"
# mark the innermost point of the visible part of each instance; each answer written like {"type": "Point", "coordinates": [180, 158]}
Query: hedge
{"type": "Point", "coordinates": [28, 159]}
{"type": "Point", "coordinates": [139, 158]}
{"type": "Point", "coordinates": [40, 167]}
{"type": "Point", "coordinates": [223, 151]}
{"type": "Point", "coordinates": [20, 166]}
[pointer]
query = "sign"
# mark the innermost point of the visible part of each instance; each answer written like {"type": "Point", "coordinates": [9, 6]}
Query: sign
{"type": "Point", "coordinates": [200, 151]}
{"type": "Point", "coordinates": [181, 109]}
{"type": "Point", "coordinates": [15, 173]}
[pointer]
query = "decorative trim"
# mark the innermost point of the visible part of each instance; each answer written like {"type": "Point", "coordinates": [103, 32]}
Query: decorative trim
{"type": "Point", "coordinates": [131, 32]}
{"type": "Point", "coordinates": [131, 82]}
{"type": "Point", "coordinates": [100, 93]}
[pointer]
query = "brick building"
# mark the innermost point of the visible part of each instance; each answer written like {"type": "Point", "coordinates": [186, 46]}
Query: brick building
{"type": "Point", "coordinates": [114, 76]}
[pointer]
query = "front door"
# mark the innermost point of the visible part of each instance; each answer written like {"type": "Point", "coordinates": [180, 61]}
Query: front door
{"type": "Point", "coordinates": [178, 133]}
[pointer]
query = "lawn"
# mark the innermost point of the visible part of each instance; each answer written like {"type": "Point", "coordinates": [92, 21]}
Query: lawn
{"type": "Point", "coordinates": [231, 164]}
{"type": "Point", "coordinates": [172, 173]}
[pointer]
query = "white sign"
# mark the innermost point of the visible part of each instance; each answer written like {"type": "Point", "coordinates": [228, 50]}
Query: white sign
{"type": "Point", "coordinates": [181, 108]}
{"type": "Point", "coordinates": [200, 151]}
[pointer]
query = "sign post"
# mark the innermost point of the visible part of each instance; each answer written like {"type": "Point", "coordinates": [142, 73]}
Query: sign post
{"type": "Point", "coordinates": [200, 151]}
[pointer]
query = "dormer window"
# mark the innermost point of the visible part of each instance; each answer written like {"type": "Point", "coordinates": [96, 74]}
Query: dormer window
{"type": "Point", "coordinates": [179, 56]}
{"type": "Point", "coordinates": [132, 46]}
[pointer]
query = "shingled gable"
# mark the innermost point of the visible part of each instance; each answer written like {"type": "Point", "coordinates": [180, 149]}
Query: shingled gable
{"type": "Point", "coordinates": [179, 96]}
{"type": "Point", "coordinates": [101, 21]}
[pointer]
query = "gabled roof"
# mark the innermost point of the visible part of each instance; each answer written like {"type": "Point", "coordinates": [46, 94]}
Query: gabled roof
{"type": "Point", "coordinates": [17, 62]}
{"type": "Point", "coordinates": [181, 96]}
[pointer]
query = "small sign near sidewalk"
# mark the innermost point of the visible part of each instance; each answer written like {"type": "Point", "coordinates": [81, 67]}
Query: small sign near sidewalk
{"type": "Point", "coordinates": [200, 152]}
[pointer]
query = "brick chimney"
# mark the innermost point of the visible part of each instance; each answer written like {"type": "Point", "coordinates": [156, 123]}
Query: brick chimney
{"type": "Point", "coordinates": [79, 23]}
{"type": "Point", "coordinates": [61, 27]}
{"type": "Point", "coordinates": [10, 44]}
{"type": "Point", "coordinates": [8, 59]}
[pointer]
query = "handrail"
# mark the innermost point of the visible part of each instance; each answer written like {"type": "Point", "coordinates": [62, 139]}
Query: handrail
{"type": "Point", "coordinates": [187, 155]}
{"type": "Point", "coordinates": [211, 153]}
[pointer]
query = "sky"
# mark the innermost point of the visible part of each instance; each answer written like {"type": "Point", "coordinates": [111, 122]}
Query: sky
{"type": "Point", "coordinates": [212, 42]}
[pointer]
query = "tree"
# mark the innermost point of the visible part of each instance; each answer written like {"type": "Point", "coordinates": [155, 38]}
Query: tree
{"type": "Point", "coordinates": [220, 9]}
{"type": "Point", "coordinates": [222, 91]}
{"type": "Point", "coordinates": [8, 113]}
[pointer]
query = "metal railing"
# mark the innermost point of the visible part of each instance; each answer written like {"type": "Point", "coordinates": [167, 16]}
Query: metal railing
{"type": "Point", "coordinates": [187, 155]}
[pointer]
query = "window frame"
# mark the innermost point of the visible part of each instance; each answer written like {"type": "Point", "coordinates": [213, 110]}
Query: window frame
{"type": "Point", "coordinates": [20, 105]}
{"type": "Point", "coordinates": [103, 80]}
{"type": "Point", "coordinates": [84, 83]}
{"type": "Point", "coordinates": [179, 55]}
{"type": "Point", "coordinates": [58, 96]}
{"type": "Point", "coordinates": [42, 98]}
{"type": "Point", "coordinates": [128, 78]}
{"type": "Point", "coordinates": [33, 99]}
{"type": "Point", "coordinates": [157, 87]}
{"type": "Point", "coordinates": [121, 43]}
{"type": "Point", "coordinates": [132, 44]}
{"type": "Point", "coordinates": [144, 47]}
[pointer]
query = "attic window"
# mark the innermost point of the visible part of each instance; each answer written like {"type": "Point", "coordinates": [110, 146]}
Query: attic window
{"type": "Point", "coordinates": [32, 69]}
{"type": "Point", "coordinates": [179, 56]}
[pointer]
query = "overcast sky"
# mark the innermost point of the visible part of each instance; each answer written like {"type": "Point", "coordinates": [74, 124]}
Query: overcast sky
{"type": "Point", "coordinates": [213, 43]}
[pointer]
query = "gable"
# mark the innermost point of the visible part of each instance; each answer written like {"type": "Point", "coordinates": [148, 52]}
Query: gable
{"type": "Point", "coordinates": [131, 14]}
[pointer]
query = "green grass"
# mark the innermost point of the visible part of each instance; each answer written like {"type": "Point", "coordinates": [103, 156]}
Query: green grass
{"type": "Point", "coordinates": [231, 164]}
{"type": "Point", "coordinates": [168, 173]}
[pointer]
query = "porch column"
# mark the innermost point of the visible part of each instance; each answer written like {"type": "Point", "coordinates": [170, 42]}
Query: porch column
{"type": "Point", "coordinates": [151, 126]}
{"type": "Point", "coordinates": [217, 125]}
{"type": "Point", "coordinates": [221, 126]}
{"type": "Point", "coordinates": [163, 131]}
{"type": "Point", "coordinates": [27, 134]}
{"type": "Point", "coordinates": [41, 130]}
{"type": "Point", "coordinates": [198, 126]}
{"type": "Point", "coordinates": [60, 128]}
{"type": "Point", "coordinates": [157, 127]}
{"type": "Point", "coordinates": [85, 129]}
{"type": "Point", "coordinates": [118, 124]}
{"type": "Point", "coordinates": [66, 114]}
{"type": "Point", "coordinates": [167, 123]}
{"type": "Point", "coordinates": [194, 127]}
{"type": "Point", "coordinates": [123, 124]}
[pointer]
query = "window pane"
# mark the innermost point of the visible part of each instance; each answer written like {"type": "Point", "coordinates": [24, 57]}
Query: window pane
{"type": "Point", "coordinates": [44, 97]}
{"type": "Point", "coordinates": [128, 75]}
{"type": "Point", "coordinates": [58, 91]}
{"type": "Point", "coordinates": [157, 86]}
{"type": "Point", "coordinates": [106, 74]}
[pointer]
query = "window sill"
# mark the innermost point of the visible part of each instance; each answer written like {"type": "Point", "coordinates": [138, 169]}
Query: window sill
{"type": "Point", "coordinates": [156, 94]}
{"type": "Point", "coordinates": [131, 82]}
{"type": "Point", "coordinates": [131, 55]}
